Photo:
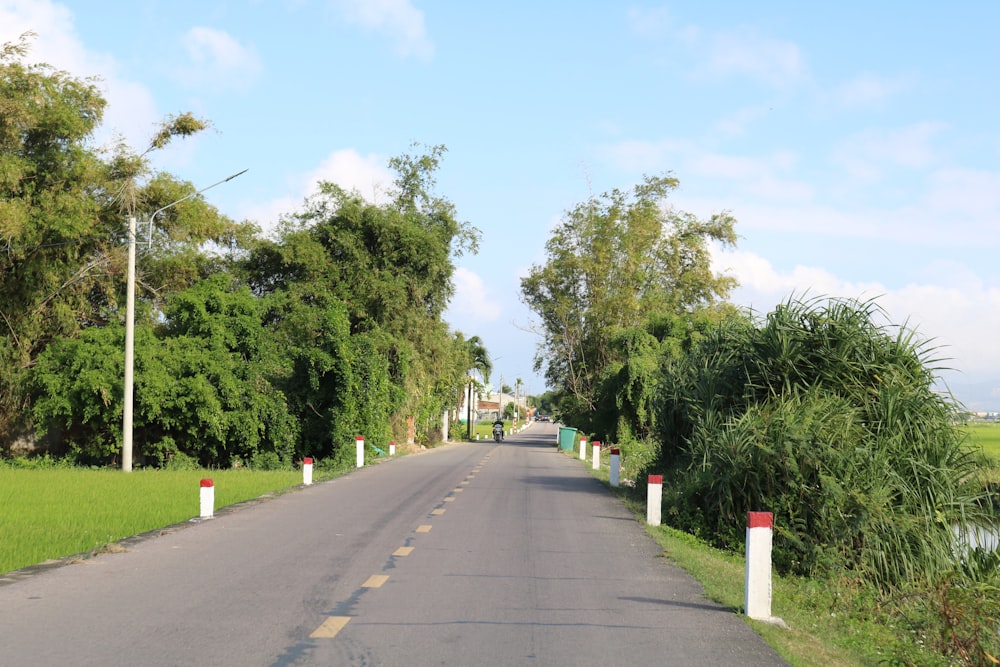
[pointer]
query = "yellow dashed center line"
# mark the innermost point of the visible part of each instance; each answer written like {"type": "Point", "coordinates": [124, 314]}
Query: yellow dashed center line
{"type": "Point", "coordinates": [330, 627]}
{"type": "Point", "coordinates": [465, 481]}
{"type": "Point", "coordinates": [437, 512]}
{"type": "Point", "coordinates": [375, 581]}
{"type": "Point", "coordinates": [450, 499]}
{"type": "Point", "coordinates": [423, 529]}
{"type": "Point", "coordinates": [458, 490]}
{"type": "Point", "coordinates": [403, 551]}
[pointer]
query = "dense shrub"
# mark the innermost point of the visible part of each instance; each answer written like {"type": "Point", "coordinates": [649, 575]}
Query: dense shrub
{"type": "Point", "coordinates": [831, 420]}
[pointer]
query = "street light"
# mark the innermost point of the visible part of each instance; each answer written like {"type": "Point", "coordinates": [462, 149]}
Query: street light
{"type": "Point", "coordinates": [130, 323]}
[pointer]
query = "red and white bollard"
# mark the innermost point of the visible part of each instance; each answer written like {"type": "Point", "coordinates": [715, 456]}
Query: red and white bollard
{"type": "Point", "coordinates": [654, 499]}
{"type": "Point", "coordinates": [307, 471]}
{"type": "Point", "coordinates": [392, 448]}
{"type": "Point", "coordinates": [207, 498]}
{"type": "Point", "coordinates": [614, 476]}
{"type": "Point", "coordinates": [361, 451]}
{"type": "Point", "coordinates": [760, 526]}
{"type": "Point", "coordinates": [583, 449]}
{"type": "Point", "coordinates": [597, 455]}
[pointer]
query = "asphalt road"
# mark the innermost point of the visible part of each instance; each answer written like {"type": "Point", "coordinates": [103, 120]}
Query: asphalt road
{"type": "Point", "coordinates": [471, 554]}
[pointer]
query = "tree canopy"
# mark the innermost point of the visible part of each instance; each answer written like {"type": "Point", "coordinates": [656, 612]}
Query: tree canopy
{"type": "Point", "coordinates": [269, 349]}
{"type": "Point", "coordinates": [611, 262]}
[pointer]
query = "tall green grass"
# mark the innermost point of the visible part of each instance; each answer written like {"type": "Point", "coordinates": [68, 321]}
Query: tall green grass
{"type": "Point", "coordinates": [58, 512]}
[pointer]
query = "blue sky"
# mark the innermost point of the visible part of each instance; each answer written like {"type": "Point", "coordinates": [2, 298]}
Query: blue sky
{"type": "Point", "coordinates": [857, 146]}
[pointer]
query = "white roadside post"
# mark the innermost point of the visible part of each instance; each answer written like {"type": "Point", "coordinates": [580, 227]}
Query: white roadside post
{"type": "Point", "coordinates": [654, 499]}
{"type": "Point", "coordinates": [207, 498]}
{"type": "Point", "coordinates": [614, 475]}
{"type": "Point", "coordinates": [307, 471]}
{"type": "Point", "coordinates": [583, 449]}
{"type": "Point", "coordinates": [760, 526]}
{"type": "Point", "coordinates": [392, 448]}
{"type": "Point", "coordinates": [597, 455]}
{"type": "Point", "coordinates": [361, 451]}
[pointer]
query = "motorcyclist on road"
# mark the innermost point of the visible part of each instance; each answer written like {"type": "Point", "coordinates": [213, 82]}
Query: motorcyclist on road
{"type": "Point", "coordinates": [498, 423]}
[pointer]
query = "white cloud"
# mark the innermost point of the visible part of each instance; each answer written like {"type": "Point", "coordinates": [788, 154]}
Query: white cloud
{"type": "Point", "coordinates": [959, 317]}
{"type": "Point", "coordinates": [866, 155]}
{"type": "Point", "coordinates": [867, 90]}
{"type": "Point", "coordinates": [744, 53]}
{"type": "Point", "coordinates": [735, 124]}
{"type": "Point", "coordinates": [131, 111]}
{"type": "Point", "coordinates": [967, 192]}
{"type": "Point", "coordinates": [475, 305]}
{"type": "Point", "coordinates": [398, 19]}
{"type": "Point", "coordinates": [217, 60]}
{"type": "Point", "coordinates": [766, 177]}
{"type": "Point", "coordinates": [367, 175]}
{"type": "Point", "coordinates": [652, 22]}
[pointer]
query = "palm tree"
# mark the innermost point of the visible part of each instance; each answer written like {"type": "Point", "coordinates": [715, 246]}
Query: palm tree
{"type": "Point", "coordinates": [476, 359]}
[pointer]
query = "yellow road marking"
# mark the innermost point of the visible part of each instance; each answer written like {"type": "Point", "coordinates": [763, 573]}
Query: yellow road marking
{"type": "Point", "coordinates": [437, 512]}
{"type": "Point", "coordinates": [375, 581]}
{"type": "Point", "coordinates": [423, 529]}
{"type": "Point", "coordinates": [469, 476]}
{"type": "Point", "coordinates": [450, 499]}
{"type": "Point", "coordinates": [465, 482]}
{"type": "Point", "coordinates": [458, 490]}
{"type": "Point", "coordinates": [330, 627]}
{"type": "Point", "coordinates": [402, 551]}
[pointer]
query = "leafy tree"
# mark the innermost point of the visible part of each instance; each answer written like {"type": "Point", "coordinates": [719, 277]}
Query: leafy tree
{"type": "Point", "coordinates": [383, 272]}
{"type": "Point", "coordinates": [62, 220]}
{"type": "Point", "coordinates": [57, 247]}
{"type": "Point", "coordinates": [203, 387]}
{"type": "Point", "coordinates": [612, 261]}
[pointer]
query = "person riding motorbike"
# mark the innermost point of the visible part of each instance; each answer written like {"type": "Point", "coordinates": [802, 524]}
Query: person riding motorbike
{"type": "Point", "coordinates": [498, 426]}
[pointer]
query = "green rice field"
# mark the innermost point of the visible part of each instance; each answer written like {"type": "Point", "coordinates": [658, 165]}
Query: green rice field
{"type": "Point", "coordinates": [987, 437]}
{"type": "Point", "coordinates": [53, 513]}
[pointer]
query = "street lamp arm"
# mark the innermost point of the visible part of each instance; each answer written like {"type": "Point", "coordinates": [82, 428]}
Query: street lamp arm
{"type": "Point", "coordinates": [149, 236]}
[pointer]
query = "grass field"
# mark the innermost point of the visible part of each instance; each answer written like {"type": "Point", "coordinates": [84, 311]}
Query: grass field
{"type": "Point", "coordinates": [986, 436]}
{"type": "Point", "coordinates": [52, 513]}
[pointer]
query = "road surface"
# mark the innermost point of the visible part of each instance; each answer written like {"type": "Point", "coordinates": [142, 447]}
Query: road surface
{"type": "Point", "coordinates": [470, 554]}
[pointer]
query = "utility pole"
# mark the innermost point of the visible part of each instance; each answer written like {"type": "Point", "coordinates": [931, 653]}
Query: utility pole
{"type": "Point", "coordinates": [129, 389]}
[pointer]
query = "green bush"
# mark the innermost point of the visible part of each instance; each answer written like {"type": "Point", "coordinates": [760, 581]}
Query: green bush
{"type": "Point", "coordinates": [831, 421]}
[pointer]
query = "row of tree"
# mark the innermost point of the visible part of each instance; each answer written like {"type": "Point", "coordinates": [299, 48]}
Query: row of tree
{"type": "Point", "coordinates": [248, 349]}
{"type": "Point", "coordinates": [821, 412]}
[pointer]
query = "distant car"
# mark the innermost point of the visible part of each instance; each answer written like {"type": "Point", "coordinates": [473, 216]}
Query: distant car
{"type": "Point", "coordinates": [541, 418]}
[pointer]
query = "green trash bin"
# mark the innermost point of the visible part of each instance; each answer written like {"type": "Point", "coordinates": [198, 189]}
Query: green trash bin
{"type": "Point", "coordinates": [567, 438]}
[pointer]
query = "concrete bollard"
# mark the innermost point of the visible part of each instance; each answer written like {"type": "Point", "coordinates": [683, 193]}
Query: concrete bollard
{"type": "Point", "coordinates": [654, 499]}
{"type": "Point", "coordinates": [597, 455]}
{"type": "Point", "coordinates": [360, 440]}
{"type": "Point", "coordinates": [614, 475]}
{"type": "Point", "coordinates": [207, 498]}
{"type": "Point", "coordinates": [583, 449]}
{"type": "Point", "coordinates": [307, 471]}
{"type": "Point", "coordinates": [757, 603]}
{"type": "Point", "coordinates": [392, 448]}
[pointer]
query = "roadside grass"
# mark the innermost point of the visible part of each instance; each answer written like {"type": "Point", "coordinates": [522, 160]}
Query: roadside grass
{"type": "Point", "coordinates": [53, 513]}
{"type": "Point", "coordinates": [830, 622]}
